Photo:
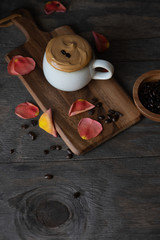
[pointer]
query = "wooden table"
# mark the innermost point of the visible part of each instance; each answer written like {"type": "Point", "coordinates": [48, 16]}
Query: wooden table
{"type": "Point", "coordinates": [111, 192]}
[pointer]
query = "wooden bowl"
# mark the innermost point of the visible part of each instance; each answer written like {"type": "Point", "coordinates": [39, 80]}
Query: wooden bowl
{"type": "Point", "coordinates": [151, 76]}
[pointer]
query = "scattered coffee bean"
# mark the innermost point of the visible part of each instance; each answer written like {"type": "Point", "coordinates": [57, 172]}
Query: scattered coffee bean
{"type": "Point", "coordinates": [12, 151]}
{"type": "Point", "coordinates": [24, 126]}
{"type": "Point", "coordinates": [48, 176]}
{"type": "Point", "coordinates": [69, 155]}
{"type": "Point", "coordinates": [109, 116]}
{"type": "Point", "coordinates": [115, 118]}
{"type": "Point", "coordinates": [53, 147]}
{"type": "Point", "coordinates": [99, 104]}
{"type": "Point", "coordinates": [46, 151]}
{"type": "Point", "coordinates": [108, 120]}
{"type": "Point", "coordinates": [118, 113]}
{"type": "Point", "coordinates": [58, 147]}
{"type": "Point", "coordinates": [32, 135]}
{"type": "Point", "coordinates": [111, 111]}
{"type": "Point", "coordinates": [68, 55]}
{"type": "Point", "coordinates": [91, 112]}
{"type": "Point", "coordinates": [101, 117]}
{"type": "Point", "coordinates": [63, 52]}
{"type": "Point", "coordinates": [94, 100]}
{"type": "Point", "coordinates": [69, 151]}
{"type": "Point", "coordinates": [76, 194]}
{"type": "Point", "coordinates": [34, 122]}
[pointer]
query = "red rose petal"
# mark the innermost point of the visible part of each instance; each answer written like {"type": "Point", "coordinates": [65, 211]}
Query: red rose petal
{"type": "Point", "coordinates": [101, 41]}
{"type": "Point", "coordinates": [46, 123]}
{"type": "Point", "coordinates": [27, 110]}
{"type": "Point", "coordinates": [20, 65]}
{"type": "Point", "coordinates": [80, 106]}
{"type": "Point", "coordinates": [54, 6]}
{"type": "Point", "coordinates": [11, 69]}
{"type": "Point", "coordinates": [89, 128]}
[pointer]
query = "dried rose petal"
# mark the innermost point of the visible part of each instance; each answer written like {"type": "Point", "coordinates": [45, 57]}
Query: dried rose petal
{"type": "Point", "coordinates": [54, 6]}
{"type": "Point", "coordinates": [20, 65]}
{"type": "Point", "coordinates": [27, 110]}
{"type": "Point", "coordinates": [79, 106]}
{"type": "Point", "coordinates": [101, 41]}
{"type": "Point", "coordinates": [89, 128]}
{"type": "Point", "coordinates": [46, 123]}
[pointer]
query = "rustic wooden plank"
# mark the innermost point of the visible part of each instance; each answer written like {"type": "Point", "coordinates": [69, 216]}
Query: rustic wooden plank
{"type": "Point", "coordinates": [116, 19]}
{"type": "Point", "coordinates": [120, 197]}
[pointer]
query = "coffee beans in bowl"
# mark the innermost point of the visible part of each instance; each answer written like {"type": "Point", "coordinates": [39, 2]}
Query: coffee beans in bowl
{"type": "Point", "coordinates": [146, 94]}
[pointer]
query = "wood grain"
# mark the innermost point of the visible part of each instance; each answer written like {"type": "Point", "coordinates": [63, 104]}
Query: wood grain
{"type": "Point", "coordinates": [108, 92]}
{"type": "Point", "coordinates": [119, 180]}
{"type": "Point", "coordinates": [119, 200]}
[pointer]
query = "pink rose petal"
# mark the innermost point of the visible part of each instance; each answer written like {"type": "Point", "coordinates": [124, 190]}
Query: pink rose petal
{"type": "Point", "coordinates": [20, 65]}
{"type": "Point", "coordinates": [54, 6]}
{"type": "Point", "coordinates": [79, 106]}
{"type": "Point", "coordinates": [89, 128]}
{"type": "Point", "coordinates": [101, 41]}
{"type": "Point", "coordinates": [27, 110]}
{"type": "Point", "coordinates": [11, 69]}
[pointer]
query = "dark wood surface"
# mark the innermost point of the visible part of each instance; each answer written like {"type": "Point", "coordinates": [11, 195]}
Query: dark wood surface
{"type": "Point", "coordinates": [111, 192]}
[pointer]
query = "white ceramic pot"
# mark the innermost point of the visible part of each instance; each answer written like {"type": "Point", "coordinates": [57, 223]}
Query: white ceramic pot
{"type": "Point", "coordinates": [72, 81]}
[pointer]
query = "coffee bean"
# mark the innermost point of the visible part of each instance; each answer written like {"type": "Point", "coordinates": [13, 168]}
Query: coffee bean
{"type": "Point", "coordinates": [68, 55]}
{"type": "Point", "coordinates": [115, 118]}
{"type": "Point", "coordinates": [69, 151]}
{"type": "Point", "coordinates": [101, 117]}
{"type": "Point", "coordinates": [91, 112]}
{"type": "Point", "coordinates": [32, 135]}
{"type": "Point", "coordinates": [58, 147]}
{"type": "Point", "coordinates": [99, 104]}
{"type": "Point", "coordinates": [69, 155]}
{"type": "Point", "coordinates": [24, 126]}
{"type": "Point", "coordinates": [109, 116]}
{"type": "Point", "coordinates": [46, 151]}
{"type": "Point", "coordinates": [108, 120]}
{"type": "Point", "coordinates": [111, 111]}
{"type": "Point", "coordinates": [12, 151]}
{"type": "Point", "coordinates": [63, 52]}
{"type": "Point", "coordinates": [119, 113]}
{"type": "Point", "coordinates": [76, 194]}
{"type": "Point", "coordinates": [94, 100]}
{"type": "Point", "coordinates": [48, 176]}
{"type": "Point", "coordinates": [34, 122]}
{"type": "Point", "coordinates": [53, 147]}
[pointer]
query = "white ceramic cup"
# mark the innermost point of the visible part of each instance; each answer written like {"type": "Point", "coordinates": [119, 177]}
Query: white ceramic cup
{"type": "Point", "coordinates": [72, 81]}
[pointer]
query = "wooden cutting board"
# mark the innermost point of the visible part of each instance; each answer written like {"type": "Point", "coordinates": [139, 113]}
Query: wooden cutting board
{"type": "Point", "coordinates": [108, 92]}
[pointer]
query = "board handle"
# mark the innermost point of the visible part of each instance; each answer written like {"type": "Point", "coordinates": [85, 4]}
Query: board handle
{"type": "Point", "coordinates": [25, 23]}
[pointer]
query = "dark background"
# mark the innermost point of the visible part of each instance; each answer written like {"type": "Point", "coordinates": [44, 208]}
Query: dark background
{"type": "Point", "coordinates": [119, 181]}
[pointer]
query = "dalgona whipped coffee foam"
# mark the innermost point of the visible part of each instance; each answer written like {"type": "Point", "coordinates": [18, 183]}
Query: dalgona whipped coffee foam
{"type": "Point", "coordinates": [68, 53]}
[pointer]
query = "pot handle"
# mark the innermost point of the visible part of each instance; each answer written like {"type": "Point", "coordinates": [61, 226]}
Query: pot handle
{"type": "Point", "coordinates": [104, 65]}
